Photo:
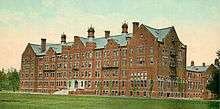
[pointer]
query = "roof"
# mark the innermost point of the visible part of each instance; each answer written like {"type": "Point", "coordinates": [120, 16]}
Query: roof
{"type": "Point", "coordinates": [37, 48]}
{"type": "Point", "coordinates": [159, 33]}
{"type": "Point", "coordinates": [121, 39]}
{"type": "Point", "coordinates": [197, 68]}
{"type": "Point", "coordinates": [102, 41]}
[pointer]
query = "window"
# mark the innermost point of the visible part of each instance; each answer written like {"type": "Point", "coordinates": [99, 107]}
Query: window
{"type": "Point", "coordinates": [81, 83]}
{"type": "Point", "coordinates": [115, 52]}
{"type": "Point", "coordinates": [190, 85]}
{"type": "Point", "coordinates": [97, 74]}
{"type": "Point", "coordinates": [141, 50]}
{"type": "Point", "coordinates": [141, 35]}
{"type": "Point", "coordinates": [98, 64]}
{"type": "Point", "coordinates": [98, 54]}
{"type": "Point", "coordinates": [115, 74]}
{"type": "Point", "coordinates": [53, 58]}
{"type": "Point", "coordinates": [123, 83]}
{"type": "Point", "coordinates": [141, 61]}
{"type": "Point", "coordinates": [130, 62]}
{"type": "Point", "coordinates": [124, 52]}
{"type": "Point", "coordinates": [90, 54]}
{"type": "Point", "coordinates": [123, 73]}
{"type": "Point", "coordinates": [131, 51]}
{"type": "Point", "coordinates": [90, 64]}
{"type": "Point", "coordinates": [106, 54]}
{"type": "Point", "coordinates": [151, 51]}
{"type": "Point", "coordinates": [151, 60]}
{"type": "Point", "coordinates": [123, 63]}
{"type": "Point", "coordinates": [115, 63]}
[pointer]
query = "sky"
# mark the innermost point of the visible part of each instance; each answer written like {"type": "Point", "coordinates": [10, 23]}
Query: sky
{"type": "Point", "coordinates": [197, 23]}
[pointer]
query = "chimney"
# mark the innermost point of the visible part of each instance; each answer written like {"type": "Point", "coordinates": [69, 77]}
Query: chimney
{"type": "Point", "coordinates": [135, 27]}
{"type": "Point", "coordinates": [217, 62]}
{"type": "Point", "coordinates": [63, 38]}
{"type": "Point", "coordinates": [43, 44]}
{"type": "Point", "coordinates": [107, 34]}
{"type": "Point", "coordinates": [192, 63]}
{"type": "Point", "coordinates": [203, 64]}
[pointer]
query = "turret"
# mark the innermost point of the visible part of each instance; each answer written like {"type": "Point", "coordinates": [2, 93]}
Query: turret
{"type": "Point", "coordinates": [91, 32]}
{"type": "Point", "coordinates": [124, 28]}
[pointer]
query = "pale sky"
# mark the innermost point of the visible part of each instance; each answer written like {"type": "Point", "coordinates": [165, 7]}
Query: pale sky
{"type": "Point", "coordinates": [197, 23]}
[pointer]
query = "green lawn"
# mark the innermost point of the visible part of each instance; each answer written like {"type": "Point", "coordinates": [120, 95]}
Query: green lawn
{"type": "Point", "coordinates": [27, 101]}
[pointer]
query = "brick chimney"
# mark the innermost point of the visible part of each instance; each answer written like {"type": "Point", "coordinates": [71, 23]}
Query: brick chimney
{"type": "Point", "coordinates": [203, 64]}
{"type": "Point", "coordinates": [217, 62]}
{"type": "Point", "coordinates": [192, 63]}
{"type": "Point", "coordinates": [135, 27]}
{"type": "Point", "coordinates": [107, 34]}
{"type": "Point", "coordinates": [63, 38]}
{"type": "Point", "coordinates": [43, 44]}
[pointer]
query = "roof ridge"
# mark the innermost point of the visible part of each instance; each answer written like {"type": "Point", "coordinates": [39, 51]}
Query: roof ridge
{"type": "Point", "coordinates": [159, 28]}
{"type": "Point", "coordinates": [104, 36]}
{"type": "Point", "coordinates": [34, 44]}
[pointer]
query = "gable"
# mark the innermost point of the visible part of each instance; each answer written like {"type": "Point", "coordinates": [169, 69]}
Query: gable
{"type": "Point", "coordinates": [160, 34]}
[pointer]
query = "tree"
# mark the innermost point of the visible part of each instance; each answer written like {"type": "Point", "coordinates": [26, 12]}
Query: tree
{"type": "Point", "coordinates": [13, 79]}
{"type": "Point", "coordinates": [3, 79]}
{"type": "Point", "coordinates": [213, 85]}
{"type": "Point", "coordinates": [151, 87]}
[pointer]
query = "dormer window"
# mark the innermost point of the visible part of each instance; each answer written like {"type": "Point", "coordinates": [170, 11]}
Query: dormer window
{"type": "Point", "coordinates": [141, 35]}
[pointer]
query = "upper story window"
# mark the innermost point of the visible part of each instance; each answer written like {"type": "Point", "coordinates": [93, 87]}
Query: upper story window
{"type": "Point", "coordinates": [131, 52]}
{"type": "Point", "coordinates": [98, 54]}
{"type": "Point", "coordinates": [142, 35]}
{"type": "Point", "coordinates": [141, 50]}
{"type": "Point", "coordinates": [97, 74]}
{"type": "Point", "coordinates": [115, 73]}
{"type": "Point", "coordinates": [123, 63]}
{"type": "Point", "coordinates": [115, 52]}
{"type": "Point", "coordinates": [76, 56]}
{"type": "Point", "coordinates": [106, 53]}
{"type": "Point", "coordinates": [98, 64]}
{"type": "Point", "coordinates": [130, 61]}
{"type": "Point", "coordinates": [151, 50]}
{"type": "Point", "coordinates": [53, 58]}
{"type": "Point", "coordinates": [115, 63]}
{"type": "Point", "coordinates": [124, 53]}
{"type": "Point", "coordinates": [123, 73]}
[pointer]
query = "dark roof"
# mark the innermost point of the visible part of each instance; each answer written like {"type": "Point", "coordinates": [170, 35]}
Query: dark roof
{"type": "Point", "coordinates": [102, 41]}
{"type": "Point", "coordinates": [197, 68]}
{"type": "Point", "coordinates": [121, 39]}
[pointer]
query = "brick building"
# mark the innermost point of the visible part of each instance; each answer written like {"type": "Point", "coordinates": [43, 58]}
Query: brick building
{"type": "Point", "coordinates": [197, 78]}
{"type": "Point", "coordinates": [146, 62]}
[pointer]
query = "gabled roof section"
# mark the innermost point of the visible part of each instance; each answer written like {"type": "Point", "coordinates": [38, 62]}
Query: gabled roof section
{"type": "Point", "coordinates": [37, 48]}
{"type": "Point", "coordinates": [102, 41]}
{"type": "Point", "coordinates": [197, 68]}
{"type": "Point", "coordinates": [159, 33]}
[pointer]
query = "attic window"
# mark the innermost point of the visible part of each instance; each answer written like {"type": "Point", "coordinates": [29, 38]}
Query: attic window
{"type": "Point", "coordinates": [141, 35]}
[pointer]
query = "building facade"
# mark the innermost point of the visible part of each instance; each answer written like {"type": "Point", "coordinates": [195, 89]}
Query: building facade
{"type": "Point", "coordinates": [147, 62]}
{"type": "Point", "coordinates": [197, 78]}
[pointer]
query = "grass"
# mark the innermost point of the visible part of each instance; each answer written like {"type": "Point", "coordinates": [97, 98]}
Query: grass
{"type": "Point", "coordinates": [28, 101]}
